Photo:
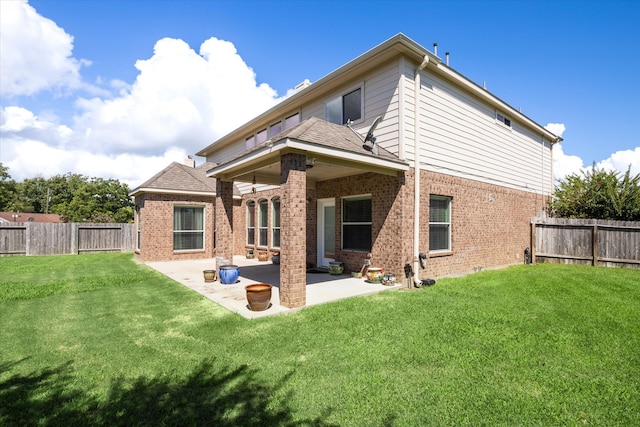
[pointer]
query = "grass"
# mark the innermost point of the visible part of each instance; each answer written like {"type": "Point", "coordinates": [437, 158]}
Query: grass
{"type": "Point", "coordinates": [101, 340]}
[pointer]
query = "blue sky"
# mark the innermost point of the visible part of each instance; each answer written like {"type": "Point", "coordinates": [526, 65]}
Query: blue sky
{"type": "Point", "coordinates": [118, 89]}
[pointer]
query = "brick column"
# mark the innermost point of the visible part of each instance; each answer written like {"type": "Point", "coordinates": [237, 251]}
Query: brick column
{"type": "Point", "coordinates": [293, 242]}
{"type": "Point", "coordinates": [224, 219]}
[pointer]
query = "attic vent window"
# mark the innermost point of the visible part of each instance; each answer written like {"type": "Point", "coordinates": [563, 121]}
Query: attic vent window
{"type": "Point", "coordinates": [504, 120]}
{"type": "Point", "coordinates": [345, 108]}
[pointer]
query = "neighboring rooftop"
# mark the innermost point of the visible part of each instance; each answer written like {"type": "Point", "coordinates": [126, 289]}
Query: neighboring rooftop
{"type": "Point", "coordinates": [28, 217]}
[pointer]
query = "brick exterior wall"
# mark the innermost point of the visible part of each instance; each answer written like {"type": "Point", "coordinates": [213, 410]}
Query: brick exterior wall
{"type": "Point", "coordinates": [490, 224]}
{"type": "Point", "coordinates": [293, 260]}
{"type": "Point", "coordinates": [156, 228]}
{"type": "Point", "coordinates": [225, 244]}
{"type": "Point", "coordinates": [391, 222]}
{"type": "Point", "coordinates": [240, 221]}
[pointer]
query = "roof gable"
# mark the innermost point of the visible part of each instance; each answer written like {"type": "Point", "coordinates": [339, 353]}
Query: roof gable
{"type": "Point", "coordinates": [180, 178]}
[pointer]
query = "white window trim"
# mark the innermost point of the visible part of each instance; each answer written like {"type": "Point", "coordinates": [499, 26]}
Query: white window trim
{"type": "Point", "coordinates": [246, 237]}
{"type": "Point", "coordinates": [502, 118]}
{"type": "Point", "coordinates": [342, 93]}
{"type": "Point", "coordinates": [343, 223]}
{"type": "Point", "coordinates": [450, 200]}
{"type": "Point", "coordinates": [204, 227]}
{"type": "Point", "coordinates": [273, 227]}
{"type": "Point", "coordinates": [265, 227]}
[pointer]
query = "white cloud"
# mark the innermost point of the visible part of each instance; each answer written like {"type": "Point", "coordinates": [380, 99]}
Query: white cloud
{"type": "Point", "coordinates": [622, 160]}
{"type": "Point", "coordinates": [36, 53]}
{"type": "Point", "coordinates": [565, 164]}
{"type": "Point", "coordinates": [180, 102]}
{"type": "Point", "coordinates": [179, 97]}
{"type": "Point", "coordinates": [557, 128]}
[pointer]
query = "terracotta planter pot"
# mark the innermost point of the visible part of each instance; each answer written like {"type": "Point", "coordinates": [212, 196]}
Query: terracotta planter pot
{"type": "Point", "coordinates": [258, 296]}
{"type": "Point", "coordinates": [263, 256]}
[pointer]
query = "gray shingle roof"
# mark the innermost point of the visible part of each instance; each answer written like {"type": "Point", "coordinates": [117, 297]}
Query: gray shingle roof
{"type": "Point", "coordinates": [319, 132]}
{"type": "Point", "coordinates": [182, 178]}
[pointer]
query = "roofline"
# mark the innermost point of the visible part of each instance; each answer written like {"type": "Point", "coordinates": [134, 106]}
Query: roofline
{"type": "Point", "coordinates": [392, 47]}
{"type": "Point", "coordinates": [142, 190]}
{"type": "Point", "coordinates": [270, 154]}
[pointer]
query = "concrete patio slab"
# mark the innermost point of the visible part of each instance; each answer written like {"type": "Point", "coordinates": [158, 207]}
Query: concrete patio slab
{"type": "Point", "coordinates": [321, 287]}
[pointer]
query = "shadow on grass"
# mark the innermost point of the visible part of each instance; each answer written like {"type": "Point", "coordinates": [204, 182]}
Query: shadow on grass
{"type": "Point", "coordinates": [209, 395]}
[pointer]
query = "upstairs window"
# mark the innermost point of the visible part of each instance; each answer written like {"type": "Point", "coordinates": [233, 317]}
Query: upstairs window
{"type": "Point", "coordinates": [356, 223]}
{"type": "Point", "coordinates": [345, 108]}
{"type": "Point", "coordinates": [261, 136]}
{"type": "Point", "coordinates": [275, 129]}
{"type": "Point", "coordinates": [292, 121]}
{"type": "Point", "coordinates": [250, 142]}
{"type": "Point", "coordinates": [504, 120]}
{"type": "Point", "coordinates": [439, 224]}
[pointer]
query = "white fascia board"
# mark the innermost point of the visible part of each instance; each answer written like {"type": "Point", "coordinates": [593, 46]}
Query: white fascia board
{"type": "Point", "coordinates": [347, 155]}
{"type": "Point", "coordinates": [178, 192]}
{"type": "Point", "coordinates": [267, 155]}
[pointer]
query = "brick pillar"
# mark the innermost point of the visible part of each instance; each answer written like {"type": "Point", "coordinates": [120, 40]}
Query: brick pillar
{"type": "Point", "coordinates": [293, 242]}
{"type": "Point", "coordinates": [224, 219]}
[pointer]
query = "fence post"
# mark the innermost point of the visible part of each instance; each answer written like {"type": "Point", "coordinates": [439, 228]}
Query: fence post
{"type": "Point", "coordinates": [28, 237]}
{"type": "Point", "coordinates": [75, 229]}
{"type": "Point", "coordinates": [534, 224]}
{"type": "Point", "coordinates": [594, 242]}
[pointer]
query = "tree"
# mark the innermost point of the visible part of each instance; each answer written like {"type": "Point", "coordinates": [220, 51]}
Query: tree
{"type": "Point", "coordinates": [73, 196]}
{"type": "Point", "coordinates": [598, 194]}
{"type": "Point", "coordinates": [98, 200]}
{"type": "Point", "coordinates": [7, 189]}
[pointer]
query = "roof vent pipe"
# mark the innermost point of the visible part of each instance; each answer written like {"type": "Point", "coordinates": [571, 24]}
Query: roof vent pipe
{"type": "Point", "coordinates": [447, 55]}
{"type": "Point", "coordinates": [435, 49]}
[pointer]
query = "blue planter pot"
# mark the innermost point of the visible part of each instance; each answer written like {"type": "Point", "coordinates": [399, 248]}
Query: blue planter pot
{"type": "Point", "coordinates": [229, 274]}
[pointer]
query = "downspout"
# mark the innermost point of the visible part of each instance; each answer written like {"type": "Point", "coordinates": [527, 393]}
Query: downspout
{"type": "Point", "coordinates": [416, 171]}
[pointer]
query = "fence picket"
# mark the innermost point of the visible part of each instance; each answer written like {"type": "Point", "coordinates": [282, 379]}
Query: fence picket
{"type": "Point", "coordinates": [30, 238]}
{"type": "Point", "coordinates": [586, 241]}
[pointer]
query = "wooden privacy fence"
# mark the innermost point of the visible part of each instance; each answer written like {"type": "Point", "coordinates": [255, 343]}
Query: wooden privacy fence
{"type": "Point", "coordinates": [33, 238]}
{"type": "Point", "coordinates": [586, 241]}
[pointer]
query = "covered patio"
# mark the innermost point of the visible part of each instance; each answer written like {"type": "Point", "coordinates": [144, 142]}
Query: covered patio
{"type": "Point", "coordinates": [320, 287]}
{"type": "Point", "coordinates": [304, 157]}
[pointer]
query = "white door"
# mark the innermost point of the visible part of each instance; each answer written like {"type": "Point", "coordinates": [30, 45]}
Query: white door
{"type": "Point", "coordinates": [326, 231]}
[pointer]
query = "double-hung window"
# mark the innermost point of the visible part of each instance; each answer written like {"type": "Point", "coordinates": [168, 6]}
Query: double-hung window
{"type": "Point", "coordinates": [188, 228]}
{"type": "Point", "coordinates": [262, 222]}
{"type": "Point", "coordinates": [356, 223]}
{"type": "Point", "coordinates": [439, 224]}
{"type": "Point", "coordinates": [345, 108]}
{"type": "Point", "coordinates": [251, 223]}
{"type": "Point", "coordinates": [275, 223]}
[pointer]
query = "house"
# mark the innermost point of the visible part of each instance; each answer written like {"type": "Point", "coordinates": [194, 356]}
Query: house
{"type": "Point", "coordinates": [394, 159]}
{"type": "Point", "coordinates": [7, 217]}
{"type": "Point", "coordinates": [174, 213]}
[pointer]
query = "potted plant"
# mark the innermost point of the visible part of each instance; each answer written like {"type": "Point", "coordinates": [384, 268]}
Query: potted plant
{"type": "Point", "coordinates": [259, 296]}
{"type": "Point", "coordinates": [209, 276]}
{"type": "Point", "coordinates": [335, 268]}
{"type": "Point", "coordinates": [229, 274]}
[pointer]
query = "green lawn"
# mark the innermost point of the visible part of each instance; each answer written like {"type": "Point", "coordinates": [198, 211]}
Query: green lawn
{"type": "Point", "coordinates": [102, 340]}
